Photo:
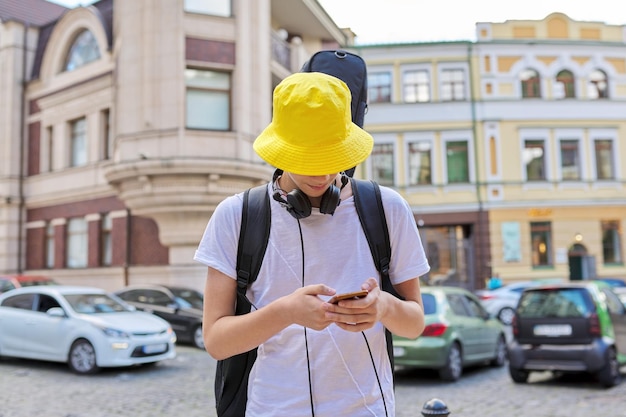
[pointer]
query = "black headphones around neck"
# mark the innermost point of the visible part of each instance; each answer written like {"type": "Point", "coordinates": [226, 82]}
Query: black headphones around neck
{"type": "Point", "coordinates": [298, 204]}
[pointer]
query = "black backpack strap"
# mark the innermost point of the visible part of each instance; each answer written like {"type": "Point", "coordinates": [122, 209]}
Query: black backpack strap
{"type": "Point", "coordinates": [253, 237]}
{"type": "Point", "coordinates": [231, 375]}
{"type": "Point", "coordinates": [369, 206]}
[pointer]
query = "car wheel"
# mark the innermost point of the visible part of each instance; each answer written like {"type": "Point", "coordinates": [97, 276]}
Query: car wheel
{"type": "Point", "coordinates": [610, 375]}
{"type": "Point", "coordinates": [198, 339]}
{"type": "Point", "coordinates": [500, 355]}
{"type": "Point", "coordinates": [454, 366]}
{"type": "Point", "coordinates": [82, 358]}
{"type": "Point", "coordinates": [506, 315]}
{"type": "Point", "coordinates": [518, 375]}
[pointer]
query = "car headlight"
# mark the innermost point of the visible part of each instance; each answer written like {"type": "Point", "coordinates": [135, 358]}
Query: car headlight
{"type": "Point", "coordinates": [114, 333]}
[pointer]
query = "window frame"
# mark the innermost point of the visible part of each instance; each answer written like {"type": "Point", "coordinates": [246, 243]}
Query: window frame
{"type": "Point", "coordinates": [383, 92]}
{"type": "Point", "coordinates": [199, 9]}
{"type": "Point", "coordinates": [530, 85]}
{"type": "Point", "coordinates": [539, 229]}
{"type": "Point", "coordinates": [566, 78]}
{"type": "Point", "coordinates": [613, 226]}
{"type": "Point", "coordinates": [451, 96]}
{"type": "Point", "coordinates": [213, 93]}
{"type": "Point", "coordinates": [77, 243]}
{"type": "Point", "coordinates": [417, 86]}
{"type": "Point", "coordinates": [388, 142]}
{"type": "Point", "coordinates": [417, 139]}
{"type": "Point", "coordinates": [78, 142]}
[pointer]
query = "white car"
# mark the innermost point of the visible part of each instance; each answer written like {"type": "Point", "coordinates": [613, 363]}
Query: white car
{"type": "Point", "coordinates": [88, 328]}
{"type": "Point", "coordinates": [502, 301]}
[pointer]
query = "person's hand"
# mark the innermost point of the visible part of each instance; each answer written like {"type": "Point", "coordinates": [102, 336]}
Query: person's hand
{"type": "Point", "coordinates": [306, 308]}
{"type": "Point", "coordinates": [360, 314]}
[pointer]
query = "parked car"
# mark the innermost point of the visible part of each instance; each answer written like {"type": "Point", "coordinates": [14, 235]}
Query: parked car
{"type": "Point", "coordinates": [578, 326]}
{"type": "Point", "coordinates": [501, 302]}
{"type": "Point", "coordinates": [86, 327]}
{"type": "Point", "coordinates": [459, 332]}
{"type": "Point", "coordinates": [9, 282]}
{"type": "Point", "coordinates": [180, 306]}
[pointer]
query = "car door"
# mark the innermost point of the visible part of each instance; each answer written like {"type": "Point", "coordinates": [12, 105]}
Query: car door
{"type": "Point", "coordinates": [466, 325]}
{"type": "Point", "coordinates": [48, 334]}
{"type": "Point", "coordinates": [15, 314]}
{"type": "Point", "coordinates": [487, 335]}
{"type": "Point", "coordinates": [617, 311]}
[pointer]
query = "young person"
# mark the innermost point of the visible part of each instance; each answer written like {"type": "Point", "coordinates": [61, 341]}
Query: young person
{"type": "Point", "coordinates": [314, 357]}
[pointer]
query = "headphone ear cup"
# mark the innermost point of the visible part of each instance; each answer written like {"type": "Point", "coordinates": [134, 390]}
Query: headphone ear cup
{"type": "Point", "coordinates": [299, 204]}
{"type": "Point", "coordinates": [330, 200]}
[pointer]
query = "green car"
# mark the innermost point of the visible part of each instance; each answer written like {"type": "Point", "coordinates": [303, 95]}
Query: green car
{"type": "Point", "coordinates": [459, 332]}
{"type": "Point", "coordinates": [578, 326]}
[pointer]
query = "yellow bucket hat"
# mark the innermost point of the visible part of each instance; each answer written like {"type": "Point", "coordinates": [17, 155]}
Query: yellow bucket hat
{"type": "Point", "coordinates": [311, 132]}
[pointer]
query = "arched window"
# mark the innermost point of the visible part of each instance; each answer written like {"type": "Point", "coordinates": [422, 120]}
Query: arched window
{"type": "Point", "coordinates": [83, 51]}
{"type": "Point", "coordinates": [565, 80]}
{"type": "Point", "coordinates": [531, 83]}
{"type": "Point", "coordinates": [598, 86]}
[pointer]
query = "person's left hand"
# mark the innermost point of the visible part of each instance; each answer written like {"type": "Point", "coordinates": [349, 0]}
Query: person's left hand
{"type": "Point", "coordinates": [358, 314]}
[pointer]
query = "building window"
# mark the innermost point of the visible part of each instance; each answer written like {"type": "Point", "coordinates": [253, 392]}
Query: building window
{"type": "Point", "coordinates": [452, 85]}
{"type": "Point", "coordinates": [457, 162]}
{"type": "Point", "coordinates": [531, 84]}
{"type": "Point", "coordinates": [212, 7]}
{"type": "Point", "coordinates": [565, 83]}
{"type": "Point", "coordinates": [83, 51]}
{"type": "Point", "coordinates": [416, 87]}
{"type": "Point", "coordinates": [106, 243]}
{"type": "Point", "coordinates": [541, 243]}
{"type": "Point", "coordinates": [107, 140]}
{"type": "Point", "coordinates": [605, 169]}
{"type": "Point", "coordinates": [77, 243]}
{"type": "Point", "coordinates": [382, 163]}
{"type": "Point", "coordinates": [598, 86]}
{"type": "Point", "coordinates": [49, 248]}
{"type": "Point", "coordinates": [570, 161]}
{"type": "Point", "coordinates": [208, 99]}
{"type": "Point", "coordinates": [50, 144]}
{"type": "Point", "coordinates": [611, 242]}
{"type": "Point", "coordinates": [534, 158]}
{"type": "Point", "coordinates": [379, 87]}
{"type": "Point", "coordinates": [420, 166]}
{"type": "Point", "coordinates": [78, 142]}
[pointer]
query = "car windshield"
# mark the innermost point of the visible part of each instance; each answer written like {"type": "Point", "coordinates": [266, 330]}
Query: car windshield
{"type": "Point", "coordinates": [94, 303]}
{"type": "Point", "coordinates": [565, 302]}
{"type": "Point", "coordinates": [188, 298]}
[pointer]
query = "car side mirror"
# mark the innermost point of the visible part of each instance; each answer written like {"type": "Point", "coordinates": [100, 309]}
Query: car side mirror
{"type": "Point", "coordinates": [56, 312]}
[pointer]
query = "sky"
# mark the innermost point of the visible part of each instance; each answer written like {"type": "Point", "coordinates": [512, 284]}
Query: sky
{"type": "Point", "coordinates": [390, 21]}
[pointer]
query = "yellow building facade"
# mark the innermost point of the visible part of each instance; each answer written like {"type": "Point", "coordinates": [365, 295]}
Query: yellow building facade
{"type": "Point", "coordinates": [511, 149]}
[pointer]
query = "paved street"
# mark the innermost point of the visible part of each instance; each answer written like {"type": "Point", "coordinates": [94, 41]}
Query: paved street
{"type": "Point", "coordinates": [183, 387]}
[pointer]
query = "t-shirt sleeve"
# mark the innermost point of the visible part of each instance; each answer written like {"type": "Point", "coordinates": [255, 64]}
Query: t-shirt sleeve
{"type": "Point", "coordinates": [408, 259]}
{"type": "Point", "coordinates": [218, 246]}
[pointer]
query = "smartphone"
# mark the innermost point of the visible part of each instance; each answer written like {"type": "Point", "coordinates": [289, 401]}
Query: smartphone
{"type": "Point", "coordinates": [346, 296]}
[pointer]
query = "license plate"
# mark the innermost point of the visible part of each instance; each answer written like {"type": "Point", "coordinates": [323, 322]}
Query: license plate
{"type": "Point", "coordinates": [398, 351]}
{"type": "Point", "coordinates": [553, 330]}
{"type": "Point", "coordinates": [161, 347]}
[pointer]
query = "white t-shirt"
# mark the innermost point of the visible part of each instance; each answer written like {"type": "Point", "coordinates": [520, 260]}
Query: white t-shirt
{"type": "Point", "coordinates": [336, 253]}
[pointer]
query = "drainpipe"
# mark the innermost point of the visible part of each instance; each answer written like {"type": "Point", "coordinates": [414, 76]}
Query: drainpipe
{"type": "Point", "coordinates": [128, 243]}
{"type": "Point", "coordinates": [480, 224]}
{"type": "Point", "coordinates": [21, 165]}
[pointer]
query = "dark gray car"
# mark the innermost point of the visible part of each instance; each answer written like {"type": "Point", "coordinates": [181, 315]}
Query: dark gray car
{"type": "Point", "coordinates": [180, 306]}
{"type": "Point", "coordinates": [572, 327]}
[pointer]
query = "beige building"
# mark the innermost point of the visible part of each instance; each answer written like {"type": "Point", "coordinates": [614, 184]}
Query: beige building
{"type": "Point", "coordinates": [124, 123]}
{"type": "Point", "coordinates": [511, 149]}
